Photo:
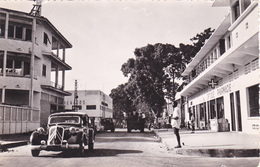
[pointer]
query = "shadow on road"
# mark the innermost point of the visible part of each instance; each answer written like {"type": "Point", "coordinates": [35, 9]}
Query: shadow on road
{"type": "Point", "coordinates": [94, 153]}
{"type": "Point", "coordinates": [125, 137]}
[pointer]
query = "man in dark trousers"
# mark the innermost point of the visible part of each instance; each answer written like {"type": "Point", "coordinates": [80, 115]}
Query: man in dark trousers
{"type": "Point", "coordinates": [176, 122]}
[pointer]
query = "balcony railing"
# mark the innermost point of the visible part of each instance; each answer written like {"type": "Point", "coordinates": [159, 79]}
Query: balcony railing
{"type": "Point", "coordinates": [55, 85]}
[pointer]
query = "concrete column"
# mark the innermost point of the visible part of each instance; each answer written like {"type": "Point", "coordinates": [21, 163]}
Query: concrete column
{"type": "Point", "coordinates": [32, 62]}
{"type": "Point", "coordinates": [63, 79]}
{"type": "Point", "coordinates": [63, 54]}
{"type": "Point", "coordinates": [58, 49]}
{"type": "Point", "coordinates": [56, 77]}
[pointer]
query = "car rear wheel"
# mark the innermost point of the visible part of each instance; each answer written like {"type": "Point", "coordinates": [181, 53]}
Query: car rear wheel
{"type": "Point", "coordinates": [35, 153]}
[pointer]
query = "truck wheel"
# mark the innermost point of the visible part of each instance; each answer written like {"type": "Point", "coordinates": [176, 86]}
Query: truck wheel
{"type": "Point", "coordinates": [35, 153]}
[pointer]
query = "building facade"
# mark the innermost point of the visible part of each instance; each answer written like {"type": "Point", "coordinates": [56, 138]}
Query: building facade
{"type": "Point", "coordinates": [32, 70]}
{"type": "Point", "coordinates": [222, 88]}
{"type": "Point", "coordinates": [95, 103]}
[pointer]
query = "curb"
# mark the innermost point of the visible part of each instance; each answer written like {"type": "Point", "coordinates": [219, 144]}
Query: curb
{"type": "Point", "coordinates": [6, 145]}
{"type": "Point", "coordinates": [220, 152]}
{"type": "Point", "coordinates": [212, 152]}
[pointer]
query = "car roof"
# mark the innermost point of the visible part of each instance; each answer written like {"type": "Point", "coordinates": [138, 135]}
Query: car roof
{"type": "Point", "coordinates": [73, 113]}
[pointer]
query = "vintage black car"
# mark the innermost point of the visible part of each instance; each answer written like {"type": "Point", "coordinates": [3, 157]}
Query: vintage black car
{"type": "Point", "coordinates": [108, 124]}
{"type": "Point", "coordinates": [65, 131]}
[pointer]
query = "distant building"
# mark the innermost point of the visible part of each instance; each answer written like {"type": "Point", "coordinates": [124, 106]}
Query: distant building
{"type": "Point", "coordinates": [32, 70]}
{"type": "Point", "coordinates": [222, 88]}
{"type": "Point", "coordinates": [95, 103]}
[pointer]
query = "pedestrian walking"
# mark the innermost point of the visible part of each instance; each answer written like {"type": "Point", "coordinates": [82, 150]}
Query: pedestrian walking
{"type": "Point", "coordinates": [176, 122]}
{"type": "Point", "coordinates": [192, 123]}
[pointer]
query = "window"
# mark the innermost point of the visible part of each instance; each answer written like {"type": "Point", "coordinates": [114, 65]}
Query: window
{"type": "Point", "coordinates": [79, 107]}
{"type": "Point", "coordinates": [17, 67]}
{"type": "Point", "coordinates": [27, 67]}
{"type": "Point", "coordinates": [11, 31]}
{"type": "Point", "coordinates": [2, 29]}
{"type": "Point", "coordinates": [46, 39]}
{"type": "Point", "coordinates": [228, 42]}
{"type": "Point", "coordinates": [236, 10]}
{"type": "Point", "coordinates": [1, 63]}
{"type": "Point", "coordinates": [202, 111]}
{"type": "Point", "coordinates": [44, 70]}
{"type": "Point", "coordinates": [253, 93]}
{"type": "Point", "coordinates": [91, 107]}
{"type": "Point", "coordinates": [19, 32]}
{"type": "Point", "coordinates": [212, 109]}
{"type": "Point", "coordinates": [28, 34]}
{"type": "Point", "coordinates": [222, 46]}
{"type": "Point", "coordinates": [220, 108]}
{"type": "Point", "coordinates": [246, 3]}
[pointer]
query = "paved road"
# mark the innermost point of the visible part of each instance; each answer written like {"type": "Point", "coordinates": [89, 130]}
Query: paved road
{"type": "Point", "coordinates": [119, 149]}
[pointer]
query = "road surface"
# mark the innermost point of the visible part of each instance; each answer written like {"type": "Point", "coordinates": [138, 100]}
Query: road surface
{"type": "Point", "coordinates": [119, 149]}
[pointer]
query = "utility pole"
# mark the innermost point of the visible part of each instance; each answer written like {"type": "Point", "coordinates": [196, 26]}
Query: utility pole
{"type": "Point", "coordinates": [76, 97]}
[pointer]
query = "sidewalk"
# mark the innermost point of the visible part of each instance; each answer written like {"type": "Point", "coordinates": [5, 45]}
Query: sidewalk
{"type": "Point", "coordinates": [211, 144]}
{"type": "Point", "coordinates": [13, 140]}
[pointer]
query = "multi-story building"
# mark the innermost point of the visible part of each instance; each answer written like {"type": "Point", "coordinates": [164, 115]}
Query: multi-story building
{"type": "Point", "coordinates": [95, 103]}
{"type": "Point", "coordinates": [223, 78]}
{"type": "Point", "coordinates": [32, 70]}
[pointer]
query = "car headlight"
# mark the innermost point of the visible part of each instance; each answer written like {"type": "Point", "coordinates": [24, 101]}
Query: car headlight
{"type": "Point", "coordinates": [72, 130]}
{"type": "Point", "coordinates": [43, 142]}
{"type": "Point", "coordinates": [41, 130]}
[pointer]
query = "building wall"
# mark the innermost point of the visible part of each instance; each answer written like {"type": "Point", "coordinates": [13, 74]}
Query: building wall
{"type": "Point", "coordinates": [22, 87]}
{"type": "Point", "coordinates": [237, 74]}
{"type": "Point", "coordinates": [87, 99]}
{"type": "Point", "coordinates": [241, 84]}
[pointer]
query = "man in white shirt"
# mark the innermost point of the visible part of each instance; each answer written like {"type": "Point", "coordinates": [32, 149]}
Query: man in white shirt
{"type": "Point", "coordinates": [176, 121]}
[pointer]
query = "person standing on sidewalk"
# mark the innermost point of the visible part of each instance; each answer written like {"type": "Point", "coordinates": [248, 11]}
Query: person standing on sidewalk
{"type": "Point", "coordinates": [176, 123]}
{"type": "Point", "coordinates": [192, 123]}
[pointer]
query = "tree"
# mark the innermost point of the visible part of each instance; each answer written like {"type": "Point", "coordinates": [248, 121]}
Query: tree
{"type": "Point", "coordinates": [153, 72]}
{"type": "Point", "coordinates": [121, 101]}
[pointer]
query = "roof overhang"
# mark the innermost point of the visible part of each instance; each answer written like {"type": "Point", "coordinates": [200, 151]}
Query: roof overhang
{"type": "Point", "coordinates": [221, 3]}
{"type": "Point", "coordinates": [65, 42]}
{"type": "Point", "coordinates": [65, 93]}
{"type": "Point", "coordinates": [57, 60]}
{"type": "Point", "coordinates": [209, 44]}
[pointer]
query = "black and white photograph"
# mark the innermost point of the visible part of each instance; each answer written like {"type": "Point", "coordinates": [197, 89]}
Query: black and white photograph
{"type": "Point", "coordinates": [129, 83]}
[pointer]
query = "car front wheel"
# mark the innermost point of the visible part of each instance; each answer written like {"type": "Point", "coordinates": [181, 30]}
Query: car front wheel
{"type": "Point", "coordinates": [82, 149]}
{"type": "Point", "coordinates": [35, 153]}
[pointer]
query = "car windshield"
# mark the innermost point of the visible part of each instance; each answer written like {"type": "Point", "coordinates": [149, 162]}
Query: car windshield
{"type": "Point", "coordinates": [64, 120]}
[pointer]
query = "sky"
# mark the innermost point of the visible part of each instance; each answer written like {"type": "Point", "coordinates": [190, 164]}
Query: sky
{"type": "Point", "coordinates": [105, 33]}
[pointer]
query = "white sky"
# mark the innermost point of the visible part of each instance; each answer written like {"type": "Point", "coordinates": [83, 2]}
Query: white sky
{"type": "Point", "coordinates": [105, 33]}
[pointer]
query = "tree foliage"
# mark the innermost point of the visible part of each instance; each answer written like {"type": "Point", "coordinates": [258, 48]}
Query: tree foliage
{"type": "Point", "coordinates": [121, 101]}
{"type": "Point", "coordinates": [153, 72]}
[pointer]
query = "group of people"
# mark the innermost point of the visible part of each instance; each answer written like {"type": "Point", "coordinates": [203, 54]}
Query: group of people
{"type": "Point", "coordinates": [176, 122]}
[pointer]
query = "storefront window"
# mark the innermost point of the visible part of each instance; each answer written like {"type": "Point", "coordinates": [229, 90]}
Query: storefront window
{"type": "Point", "coordinates": [220, 108]}
{"type": "Point", "coordinates": [253, 93]}
{"type": "Point", "coordinates": [212, 109]}
{"type": "Point", "coordinates": [202, 111]}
